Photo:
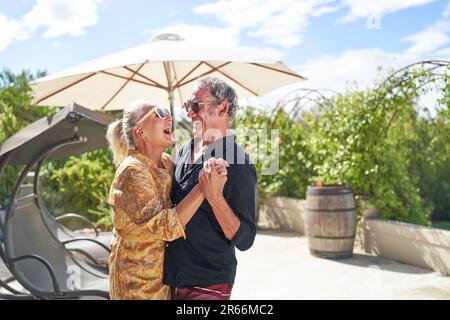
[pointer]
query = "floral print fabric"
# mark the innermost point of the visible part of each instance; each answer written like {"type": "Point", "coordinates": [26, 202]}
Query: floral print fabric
{"type": "Point", "coordinates": [143, 222]}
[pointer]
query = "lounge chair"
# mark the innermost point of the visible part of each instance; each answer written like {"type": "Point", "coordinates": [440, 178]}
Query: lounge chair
{"type": "Point", "coordinates": [41, 254]}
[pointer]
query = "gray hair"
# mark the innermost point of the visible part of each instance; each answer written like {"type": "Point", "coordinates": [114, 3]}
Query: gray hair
{"type": "Point", "coordinates": [119, 134]}
{"type": "Point", "coordinates": [222, 91]}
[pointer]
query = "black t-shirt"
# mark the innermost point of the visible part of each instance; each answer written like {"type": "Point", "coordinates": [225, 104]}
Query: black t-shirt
{"type": "Point", "coordinates": [206, 257]}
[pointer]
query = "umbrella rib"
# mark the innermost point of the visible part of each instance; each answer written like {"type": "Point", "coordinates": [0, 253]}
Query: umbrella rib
{"type": "Point", "coordinates": [189, 73]}
{"type": "Point", "coordinates": [146, 78]}
{"type": "Point", "coordinates": [64, 88]}
{"type": "Point", "coordinates": [213, 69]}
{"type": "Point", "coordinates": [121, 88]}
{"type": "Point", "coordinates": [281, 71]}
{"type": "Point", "coordinates": [134, 80]}
{"type": "Point", "coordinates": [232, 79]}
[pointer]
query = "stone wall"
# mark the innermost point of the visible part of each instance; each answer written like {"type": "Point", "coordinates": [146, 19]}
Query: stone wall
{"type": "Point", "coordinates": [281, 213]}
{"type": "Point", "coordinates": [409, 243]}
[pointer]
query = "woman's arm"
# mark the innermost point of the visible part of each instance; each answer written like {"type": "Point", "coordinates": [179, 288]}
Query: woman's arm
{"type": "Point", "coordinates": [189, 205]}
{"type": "Point", "coordinates": [134, 194]}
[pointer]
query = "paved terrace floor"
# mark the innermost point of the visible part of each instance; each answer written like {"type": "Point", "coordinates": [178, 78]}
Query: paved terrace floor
{"type": "Point", "coordinates": [279, 266]}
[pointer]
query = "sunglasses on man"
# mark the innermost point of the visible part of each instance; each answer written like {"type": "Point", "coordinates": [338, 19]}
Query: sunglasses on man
{"type": "Point", "coordinates": [196, 105]}
{"type": "Point", "coordinates": [161, 113]}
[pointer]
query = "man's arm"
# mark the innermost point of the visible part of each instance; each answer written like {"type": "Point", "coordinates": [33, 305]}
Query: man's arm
{"type": "Point", "coordinates": [237, 215]}
{"type": "Point", "coordinates": [225, 216]}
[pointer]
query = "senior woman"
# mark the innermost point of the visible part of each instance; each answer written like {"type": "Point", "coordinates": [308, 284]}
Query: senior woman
{"type": "Point", "coordinates": [143, 217]}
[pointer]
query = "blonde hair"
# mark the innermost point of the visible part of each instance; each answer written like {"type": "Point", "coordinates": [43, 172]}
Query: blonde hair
{"type": "Point", "coordinates": [119, 133]}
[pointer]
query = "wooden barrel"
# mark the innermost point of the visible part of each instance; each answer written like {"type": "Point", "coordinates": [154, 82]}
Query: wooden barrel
{"type": "Point", "coordinates": [330, 221]}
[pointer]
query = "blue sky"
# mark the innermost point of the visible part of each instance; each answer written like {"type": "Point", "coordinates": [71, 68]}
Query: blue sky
{"type": "Point", "coordinates": [332, 42]}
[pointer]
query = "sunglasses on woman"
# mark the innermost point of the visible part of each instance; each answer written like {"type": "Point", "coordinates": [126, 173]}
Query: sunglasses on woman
{"type": "Point", "coordinates": [196, 105]}
{"type": "Point", "coordinates": [160, 113]}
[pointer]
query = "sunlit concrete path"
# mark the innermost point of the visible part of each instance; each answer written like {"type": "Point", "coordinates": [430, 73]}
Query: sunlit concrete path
{"type": "Point", "coordinates": [279, 266]}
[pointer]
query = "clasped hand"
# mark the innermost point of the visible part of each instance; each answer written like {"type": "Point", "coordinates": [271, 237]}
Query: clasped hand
{"type": "Point", "coordinates": [213, 177]}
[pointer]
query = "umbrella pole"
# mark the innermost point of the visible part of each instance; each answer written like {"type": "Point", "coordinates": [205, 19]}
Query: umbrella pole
{"type": "Point", "coordinates": [170, 91]}
{"type": "Point", "coordinates": [171, 104]}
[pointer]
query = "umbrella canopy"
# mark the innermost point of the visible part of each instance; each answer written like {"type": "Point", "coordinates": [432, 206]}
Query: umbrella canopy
{"type": "Point", "coordinates": [163, 71]}
{"type": "Point", "coordinates": [72, 120]}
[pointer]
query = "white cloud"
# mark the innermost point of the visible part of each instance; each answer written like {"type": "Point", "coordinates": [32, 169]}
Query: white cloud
{"type": "Point", "coordinates": [337, 72]}
{"type": "Point", "coordinates": [59, 17]}
{"type": "Point", "coordinates": [63, 16]}
{"type": "Point", "coordinates": [361, 67]}
{"type": "Point", "coordinates": [262, 52]}
{"type": "Point", "coordinates": [446, 13]}
{"type": "Point", "coordinates": [10, 30]}
{"type": "Point", "coordinates": [237, 13]}
{"type": "Point", "coordinates": [281, 23]}
{"type": "Point", "coordinates": [430, 39]}
{"type": "Point", "coordinates": [323, 10]}
{"type": "Point", "coordinates": [370, 8]}
{"type": "Point", "coordinates": [6, 34]}
{"type": "Point", "coordinates": [56, 44]}
{"type": "Point", "coordinates": [443, 54]}
{"type": "Point", "coordinates": [223, 37]}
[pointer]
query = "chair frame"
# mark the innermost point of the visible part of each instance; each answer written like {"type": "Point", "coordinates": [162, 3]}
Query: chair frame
{"type": "Point", "coordinates": [57, 293]}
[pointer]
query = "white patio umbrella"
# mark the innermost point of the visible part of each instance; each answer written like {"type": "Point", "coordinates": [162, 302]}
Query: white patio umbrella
{"type": "Point", "coordinates": [163, 71]}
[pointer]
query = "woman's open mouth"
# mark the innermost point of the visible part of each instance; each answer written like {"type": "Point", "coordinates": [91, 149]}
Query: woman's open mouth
{"type": "Point", "coordinates": [168, 131]}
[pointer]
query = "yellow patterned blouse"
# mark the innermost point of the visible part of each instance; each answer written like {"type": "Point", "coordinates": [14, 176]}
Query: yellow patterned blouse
{"type": "Point", "coordinates": [143, 221]}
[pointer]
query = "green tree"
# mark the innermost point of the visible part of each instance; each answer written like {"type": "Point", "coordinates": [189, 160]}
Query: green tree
{"type": "Point", "coordinates": [15, 113]}
{"type": "Point", "coordinates": [77, 184]}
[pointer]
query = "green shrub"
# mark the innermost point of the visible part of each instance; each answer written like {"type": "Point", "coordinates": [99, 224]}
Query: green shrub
{"type": "Point", "coordinates": [295, 158]}
{"type": "Point", "coordinates": [356, 149]}
{"type": "Point", "coordinates": [81, 185]}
